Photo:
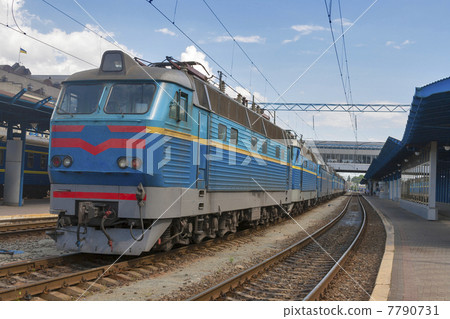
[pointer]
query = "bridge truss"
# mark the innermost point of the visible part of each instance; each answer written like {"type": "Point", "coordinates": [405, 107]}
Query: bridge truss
{"type": "Point", "coordinates": [322, 107]}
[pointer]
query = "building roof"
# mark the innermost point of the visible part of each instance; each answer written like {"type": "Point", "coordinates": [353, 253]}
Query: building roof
{"type": "Point", "coordinates": [429, 117]}
{"type": "Point", "coordinates": [382, 163]}
{"type": "Point", "coordinates": [428, 120]}
{"type": "Point", "coordinates": [349, 145]}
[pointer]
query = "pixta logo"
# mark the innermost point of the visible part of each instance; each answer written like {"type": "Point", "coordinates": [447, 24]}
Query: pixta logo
{"type": "Point", "coordinates": [155, 151]}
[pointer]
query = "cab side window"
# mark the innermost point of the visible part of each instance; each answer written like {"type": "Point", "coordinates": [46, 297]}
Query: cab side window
{"type": "Point", "coordinates": [179, 107]}
{"type": "Point", "coordinates": [222, 132]}
{"type": "Point", "coordinates": [234, 136]}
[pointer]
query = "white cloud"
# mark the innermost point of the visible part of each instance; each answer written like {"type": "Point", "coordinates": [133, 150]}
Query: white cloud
{"type": "Point", "coordinates": [191, 54]}
{"type": "Point", "coordinates": [345, 22]}
{"type": "Point", "coordinates": [399, 46]}
{"type": "Point", "coordinates": [303, 29]}
{"type": "Point", "coordinates": [166, 31]}
{"type": "Point", "coordinates": [42, 59]}
{"type": "Point", "coordinates": [238, 38]}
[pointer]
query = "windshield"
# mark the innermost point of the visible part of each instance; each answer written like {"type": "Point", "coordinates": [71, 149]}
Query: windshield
{"type": "Point", "coordinates": [80, 98]}
{"type": "Point", "coordinates": [130, 98]}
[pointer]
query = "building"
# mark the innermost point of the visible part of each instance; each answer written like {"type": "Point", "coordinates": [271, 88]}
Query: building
{"type": "Point", "coordinates": [349, 156]}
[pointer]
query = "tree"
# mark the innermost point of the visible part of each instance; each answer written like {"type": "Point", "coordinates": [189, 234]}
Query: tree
{"type": "Point", "coordinates": [357, 179]}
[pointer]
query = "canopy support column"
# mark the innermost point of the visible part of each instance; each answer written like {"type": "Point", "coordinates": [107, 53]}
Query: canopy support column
{"type": "Point", "coordinates": [14, 168]}
{"type": "Point", "coordinates": [432, 210]}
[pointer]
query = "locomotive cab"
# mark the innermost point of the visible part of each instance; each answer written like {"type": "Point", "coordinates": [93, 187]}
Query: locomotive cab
{"type": "Point", "coordinates": [107, 148]}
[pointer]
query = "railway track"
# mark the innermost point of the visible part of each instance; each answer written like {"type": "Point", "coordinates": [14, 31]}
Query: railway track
{"type": "Point", "coordinates": [302, 271]}
{"type": "Point", "coordinates": [66, 277]}
{"type": "Point", "coordinates": [22, 225]}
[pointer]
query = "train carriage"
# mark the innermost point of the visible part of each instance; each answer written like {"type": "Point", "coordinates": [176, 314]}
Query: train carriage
{"type": "Point", "coordinates": [36, 182]}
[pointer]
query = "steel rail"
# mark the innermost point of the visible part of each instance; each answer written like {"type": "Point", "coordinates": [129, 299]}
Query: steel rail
{"type": "Point", "coordinates": [227, 285]}
{"type": "Point", "coordinates": [33, 265]}
{"type": "Point", "coordinates": [26, 291]}
{"type": "Point", "coordinates": [320, 288]}
{"type": "Point", "coordinates": [8, 227]}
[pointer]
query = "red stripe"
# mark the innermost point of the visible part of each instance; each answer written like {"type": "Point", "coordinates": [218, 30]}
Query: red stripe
{"type": "Point", "coordinates": [94, 150]}
{"type": "Point", "coordinates": [67, 128]}
{"type": "Point", "coordinates": [95, 195]}
{"type": "Point", "coordinates": [127, 129]}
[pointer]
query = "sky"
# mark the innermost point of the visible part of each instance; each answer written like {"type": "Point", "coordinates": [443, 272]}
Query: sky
{"type": "Point", "coordinates": [392, 47]}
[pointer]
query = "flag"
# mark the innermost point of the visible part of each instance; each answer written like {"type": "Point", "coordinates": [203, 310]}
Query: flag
{"type": "Point", "coordinates": [23, 51]}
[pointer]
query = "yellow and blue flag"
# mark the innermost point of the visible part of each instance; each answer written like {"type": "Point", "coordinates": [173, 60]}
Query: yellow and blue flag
{"type": "Point", "coordinates": [23, 51]}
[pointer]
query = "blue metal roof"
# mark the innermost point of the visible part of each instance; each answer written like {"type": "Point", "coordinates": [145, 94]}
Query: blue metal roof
{"type": "Point", "coordinates": [428, 120]}
{"type": "Point", "coordinates": [22, 110]}
{"type": "Point", "coordinates": [379, 165]}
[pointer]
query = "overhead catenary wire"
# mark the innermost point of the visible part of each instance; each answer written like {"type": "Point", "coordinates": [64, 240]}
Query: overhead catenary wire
{"type": "Point", "coordinates": [345, 57]}
{"type": "Point", "coordinates": [104, 30]}
{"type": "Point", "coordinates": [207, 54]}
{"type": "Point", "coordinates": [346, 94]}
{"type": "Point", "coordinates": [328, 8]}
{"type": "Point", "coordinates": [253, 64]}
{"type": "Point", "coordinates": [196, 44]}
{"type": "Point", "coordinates": [324, 52]}
{"type": "Point", "coordinates": [78, 22]}
{"type": "Point", "coordinates": [47, 44]}
{"type": "Point", "coordinates": [127, 51]}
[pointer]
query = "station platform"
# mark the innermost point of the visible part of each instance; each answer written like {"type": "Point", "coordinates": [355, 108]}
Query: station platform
{"type": "Point", "coordinates": [31, 208]}
{"type": "Point", "coordinates": [416, 263]}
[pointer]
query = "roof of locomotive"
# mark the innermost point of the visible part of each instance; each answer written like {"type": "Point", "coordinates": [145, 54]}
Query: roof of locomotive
{"type": "Point", "coordinates": [131, 70]}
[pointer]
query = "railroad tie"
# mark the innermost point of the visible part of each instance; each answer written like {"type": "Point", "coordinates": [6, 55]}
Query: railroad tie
{"type": "Point", "coordinates": [55, 296]}
{"type": "Point", "coordinates": [143, 271]}
{"type": "Point", "coordinates": [124, 277]}
{"type": "Point", "coordinates": [108, 282]}
{"type": "Point", "coordinates": [133, 273]}
{"type": "Point", "coordinates": [92, 286]}
{"type": "Point", "coordinates": [73, 291]}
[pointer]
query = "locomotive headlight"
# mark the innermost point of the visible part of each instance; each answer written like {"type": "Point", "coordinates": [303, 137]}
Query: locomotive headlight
{"type": "Point", "coordinates": [122, 162]}
{"type": "Point", "coordinates": [136, 163]}
{"type": "Point", "coordinates": [56, 161]}
{"type": "Point", "coordinates": [67, 161]}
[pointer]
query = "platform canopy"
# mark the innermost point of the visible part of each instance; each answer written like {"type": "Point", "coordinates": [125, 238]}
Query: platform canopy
{"type": "Point", "coordinates": [428, 120]}
{"type": "Point", "coordinates": [25, 111]}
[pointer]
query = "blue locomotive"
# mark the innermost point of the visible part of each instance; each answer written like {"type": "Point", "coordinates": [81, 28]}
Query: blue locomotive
{"type": "Point", "coordinates": [150, 156]}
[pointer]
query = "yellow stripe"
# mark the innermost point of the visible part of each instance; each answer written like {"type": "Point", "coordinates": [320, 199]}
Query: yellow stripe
{"type": "Point", "coordinates": [2, 170]}
{"type": "Point", "coordinates": [38, 152]}
{"type": "Point", "coordinates": [189, 137]}
{"type": "Point", "coordinates": [28, 151]}
{"type": "Point", "coordinates": [36, 172]}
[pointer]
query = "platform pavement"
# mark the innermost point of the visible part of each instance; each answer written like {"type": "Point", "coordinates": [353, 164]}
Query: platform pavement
{"type": "Point", "coordinates": [421, 262]}
{"type": "Point", "coordinates": [31, 208]}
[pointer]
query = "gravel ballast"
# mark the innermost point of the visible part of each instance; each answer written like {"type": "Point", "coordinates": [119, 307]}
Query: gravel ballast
{"type": "Point", "coordinates": [212, 267]}
{"type": "Point", "coordinates": [361, 269]}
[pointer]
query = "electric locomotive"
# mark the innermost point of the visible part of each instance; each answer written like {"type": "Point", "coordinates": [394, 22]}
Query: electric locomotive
{"type": "Point", "coordinates": [150, 156]}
